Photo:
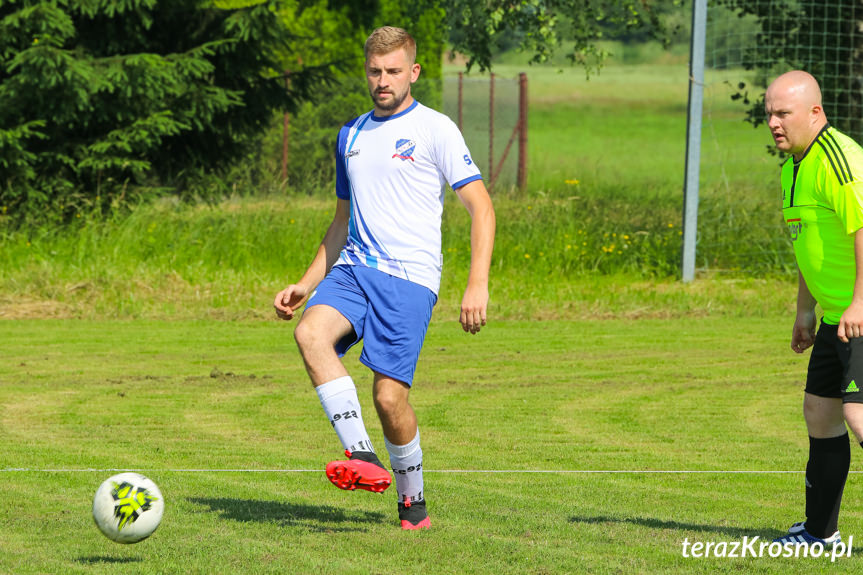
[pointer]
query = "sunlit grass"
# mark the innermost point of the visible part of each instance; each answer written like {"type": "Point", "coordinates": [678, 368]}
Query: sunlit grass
{"type": "Point", "coordinates": [556, 257]}
{"type": "Point", "coordinates": [215, 412]}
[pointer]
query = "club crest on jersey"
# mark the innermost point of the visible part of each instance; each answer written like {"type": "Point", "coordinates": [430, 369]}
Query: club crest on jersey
{"type": "Point", "coordinates": [404, 149]}
{"type": "Point", "coordinates": [795, 227]}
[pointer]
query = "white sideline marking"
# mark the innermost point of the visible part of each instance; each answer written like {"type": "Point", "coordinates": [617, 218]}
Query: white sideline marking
{"type": "Point", "coordinates": [513, 471]}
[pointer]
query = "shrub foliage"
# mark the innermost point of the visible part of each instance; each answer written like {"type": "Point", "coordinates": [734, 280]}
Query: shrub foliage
{"type": "Point", "coordinates": [113, 97]}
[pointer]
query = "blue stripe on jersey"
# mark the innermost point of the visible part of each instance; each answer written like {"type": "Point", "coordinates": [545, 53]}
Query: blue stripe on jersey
{"type": "Point", "coordinates": [465, 181]}
{"type": "Point", "coordinates": [343, 191]}
{"type": "Point", "coordinates": [352, 225]}
{"type": "Point", "coordinates": [356, 217]}
{"type": "Point", "coordinates": [372, 261]}
{"type": "Point", "coordinates": [357, 132]}
{"type": "Point", "coordinates": [350, 258]}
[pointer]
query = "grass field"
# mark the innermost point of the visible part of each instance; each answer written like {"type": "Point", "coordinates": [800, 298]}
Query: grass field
{"type": "Point", "coordinates": [517, 423]}
{"type": "Point", "coordinates": [562, 259]}
{"type": "Point", "coordinates": [623, 128]}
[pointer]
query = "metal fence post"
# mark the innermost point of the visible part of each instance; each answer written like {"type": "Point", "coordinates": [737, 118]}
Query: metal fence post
{"type": "Point", "coordinates": [491, 127]}
{"type": "Point", "coordinates": [285, 128]}
{"type": "Point", "coordinates": [521, 177]}
{"type": "Point", "coordinates": [693, 139]}
{"type": "Point", "coordinates": [460, 100]}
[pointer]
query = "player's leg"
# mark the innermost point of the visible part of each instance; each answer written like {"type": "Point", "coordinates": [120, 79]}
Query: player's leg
{"type": "Point", "coordinates": [317, 334]}
{"type": "Point", "coordinates": [852, 391]}
{"type": "Point", "coordinates": [854, 416]}
{"type": "Point", "coordinates": [398, 419]}
{"type": "Point", "coordinates": [828, 464]}
{"type": "Point", "coordinates": [395, 327]}
{"type": "Point", "coordinates": [402, 438]}
{"type": "Point", "coordinates": [824, 416]}
{"type": "Point", "coordinates": [829, 450]}
{"type": "Point", "coordinates": [324, 333]}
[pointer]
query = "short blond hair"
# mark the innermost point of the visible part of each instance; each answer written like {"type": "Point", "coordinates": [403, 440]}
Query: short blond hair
{"type": "Point", "coordinates": [388, 39]}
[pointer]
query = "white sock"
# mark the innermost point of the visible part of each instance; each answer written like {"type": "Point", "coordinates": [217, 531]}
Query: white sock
{"type": "Point", "coordinates": [407, 464]}
{"type": "Point", "coordinates": [342, 406]}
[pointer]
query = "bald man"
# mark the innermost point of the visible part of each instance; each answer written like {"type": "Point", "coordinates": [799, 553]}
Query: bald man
{"type": "Point", "coordinates": [822, 203]}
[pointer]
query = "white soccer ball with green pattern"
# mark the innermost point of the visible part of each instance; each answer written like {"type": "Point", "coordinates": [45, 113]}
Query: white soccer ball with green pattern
{"type": "Point", "coordinates": [128, 507]}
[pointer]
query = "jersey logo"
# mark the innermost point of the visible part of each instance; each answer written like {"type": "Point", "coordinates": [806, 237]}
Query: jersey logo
{"type": "Point", "coordinates": [467, 160]}
{"type": "Point", "coordinates": [352, 153]}
{"type": "Point", "coordinates": [795, 226]}
{"type": "Point", "coordinates": [404, 149]}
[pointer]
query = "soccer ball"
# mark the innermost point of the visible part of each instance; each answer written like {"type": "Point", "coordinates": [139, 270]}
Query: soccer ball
{"type": "Point", "coordinates": [128, 507]}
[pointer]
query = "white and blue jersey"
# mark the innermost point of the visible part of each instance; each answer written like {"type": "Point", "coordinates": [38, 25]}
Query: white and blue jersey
{"type": "Point", "coordinates": [394, 171]}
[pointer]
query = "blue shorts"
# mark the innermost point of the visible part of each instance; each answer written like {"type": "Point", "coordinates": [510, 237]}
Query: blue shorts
{"type": "Point", "coordinates": [390, 314]}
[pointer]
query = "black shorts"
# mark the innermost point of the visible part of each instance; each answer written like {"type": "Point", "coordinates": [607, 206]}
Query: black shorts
{"type": "Point", "coordinates": [835, 367]}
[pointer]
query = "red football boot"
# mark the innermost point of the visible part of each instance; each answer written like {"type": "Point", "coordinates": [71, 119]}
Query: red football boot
{"type": "Point", "coordinates": [414, 516]}
{"type": "Point", "coordinates": [362, 470]}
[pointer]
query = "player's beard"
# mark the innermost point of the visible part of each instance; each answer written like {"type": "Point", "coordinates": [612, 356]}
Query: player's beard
{"type": "Point", "coordinates": [393, 104]}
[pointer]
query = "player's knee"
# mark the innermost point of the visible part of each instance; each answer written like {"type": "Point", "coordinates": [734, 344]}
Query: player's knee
{"type": "Point", "coordinates": [387, 402]}
{"type": "Point", "coordinates": [305, 335]}
{"type": "Point", "coordinates": [854, 416]}
{"type": "Point", "coordinates": [823, 418]}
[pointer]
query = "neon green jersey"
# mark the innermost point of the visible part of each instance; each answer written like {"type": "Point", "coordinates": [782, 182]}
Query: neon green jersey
{"type": "Point", "coordinates": [822, 203]}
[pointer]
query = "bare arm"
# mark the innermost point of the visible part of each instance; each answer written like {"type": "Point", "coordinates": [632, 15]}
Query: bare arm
{"type": "Point", "coordinates": [803, 333]}
{"type": "Point", "coordinates": [474, 303]}
{"type": "Point", "coordinates": [851, 322]}
{"type": "Point", "coordinates": [292, 297]}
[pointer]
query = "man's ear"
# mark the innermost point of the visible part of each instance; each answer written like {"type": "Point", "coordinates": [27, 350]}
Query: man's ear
{"type": "Point", "coordinates": [816, 110]}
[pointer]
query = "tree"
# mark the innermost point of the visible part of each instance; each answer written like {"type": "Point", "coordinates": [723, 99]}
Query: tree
{"type": "Point", "coordinates": [543, 25]}
{"type": "Point", "coordinates": [103, 98]}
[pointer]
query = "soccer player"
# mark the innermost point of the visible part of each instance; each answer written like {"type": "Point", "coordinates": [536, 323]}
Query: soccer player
{"type": "Point", "coordinates": [822, 202]}
{"type": "Point", "coordinates": [377, 271]}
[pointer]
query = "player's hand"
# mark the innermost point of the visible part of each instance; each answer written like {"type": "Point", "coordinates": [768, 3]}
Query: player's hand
{"type": "Point", "coordinates": [288, 300]}
{"type": "Point", "coordinates": [851, 322]}
{"type": "Point", "coordinates": [473, 308]}
{"type": "Point", "coordinates": [803, 333]}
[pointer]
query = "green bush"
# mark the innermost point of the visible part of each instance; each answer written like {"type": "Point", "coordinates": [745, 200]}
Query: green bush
{"type": "Point", "coordinates": [101, 101]}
